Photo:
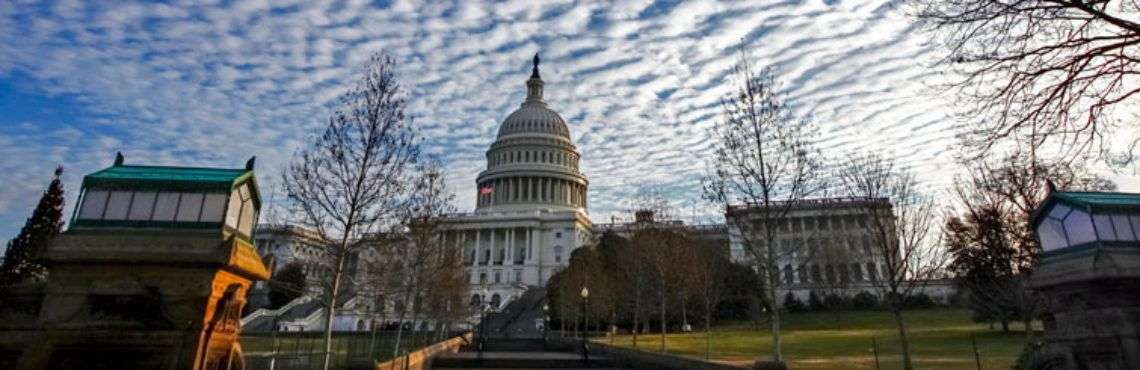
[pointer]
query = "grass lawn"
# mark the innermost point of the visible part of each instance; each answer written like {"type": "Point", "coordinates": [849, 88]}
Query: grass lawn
{"type": "Point", "coordinates": [940, 339]}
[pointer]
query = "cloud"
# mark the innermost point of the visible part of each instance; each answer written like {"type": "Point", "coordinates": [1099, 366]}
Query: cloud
{"type": "Point", "coordinates": [212, 84]}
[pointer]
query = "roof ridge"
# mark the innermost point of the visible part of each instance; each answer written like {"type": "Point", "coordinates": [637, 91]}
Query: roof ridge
{"type": "Point", "coordinates": [178, 167]}
{"type": "Point", "coordinates": [1097, 192]}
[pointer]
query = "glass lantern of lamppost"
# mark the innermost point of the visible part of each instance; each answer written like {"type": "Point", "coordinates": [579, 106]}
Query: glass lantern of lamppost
{"type": "Point", "coordinates": [1088, 272]}
{"type": "Point", "coordinates": [585, 293]}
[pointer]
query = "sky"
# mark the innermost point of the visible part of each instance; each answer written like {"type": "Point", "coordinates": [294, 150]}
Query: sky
{"type": "Point", "coordinates": [211, 83]}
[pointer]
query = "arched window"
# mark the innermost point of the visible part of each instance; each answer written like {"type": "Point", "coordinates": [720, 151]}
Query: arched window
{"type": "Point", "coordinates": [789, 277]}
{"type": "Point", "coordinates": [558, 253]}
{"type": "Point", "coordinates": [495, 300]}
{"type": "Point", "coordinates": [476, 300]}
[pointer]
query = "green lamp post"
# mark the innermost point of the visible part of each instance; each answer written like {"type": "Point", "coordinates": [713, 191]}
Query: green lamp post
{"type": "Point", "coordinates": [152, 272]}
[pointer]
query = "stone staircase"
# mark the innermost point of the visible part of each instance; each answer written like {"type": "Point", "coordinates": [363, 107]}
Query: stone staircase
{"type": "Point", "coordinates": [513, 341]}
{"type": "Point", "coordinates": [517, 318]}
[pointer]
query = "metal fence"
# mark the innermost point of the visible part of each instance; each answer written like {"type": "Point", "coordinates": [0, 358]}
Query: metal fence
{"type": "Point", "coordinates": [350, 350]}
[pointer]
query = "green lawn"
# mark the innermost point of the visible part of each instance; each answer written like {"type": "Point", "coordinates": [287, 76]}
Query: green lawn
{"type": "Point", "coordinates": [940, 339]}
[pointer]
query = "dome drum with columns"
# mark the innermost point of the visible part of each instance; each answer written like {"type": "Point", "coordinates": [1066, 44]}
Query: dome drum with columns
{"type": "Point", "coordinates": [533, 163]}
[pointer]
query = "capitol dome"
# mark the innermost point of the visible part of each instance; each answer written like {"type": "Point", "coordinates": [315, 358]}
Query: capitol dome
{"type": "Point", "coordinates": [533, 163]}
{"type": "Point", "coordinates": [534, 118]}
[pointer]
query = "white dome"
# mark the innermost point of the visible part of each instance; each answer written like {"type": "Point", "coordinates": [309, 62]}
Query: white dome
{"type": "Point", "coordinates": [533, 163]}
{"type": "Point", "coordinates": [536, 118]}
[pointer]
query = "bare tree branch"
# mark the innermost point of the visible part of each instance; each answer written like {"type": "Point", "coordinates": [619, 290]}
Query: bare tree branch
{"type": "Point", "coordinates": [351, 180]}
{"type": "Point", "coordinates": [1039, 73]}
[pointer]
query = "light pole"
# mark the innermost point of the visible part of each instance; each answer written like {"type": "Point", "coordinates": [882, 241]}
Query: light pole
{"type": "Point", "coordinates": [585, 293]}
{"type": "Point", "coordinates": [482, 324]}
{"type": "Point", "coordinates": [545, 324]}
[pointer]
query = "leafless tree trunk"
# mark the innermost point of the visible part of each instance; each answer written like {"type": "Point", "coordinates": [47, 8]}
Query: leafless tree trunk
{"type": "Point", "coordinates": [350, 181]}
{"type": "Point", "coordinates": [428, 261]}
{"type": "Point", "coordinates": [764, 162]}
{"type": "Point", "coordinates": [1040, 72]}
{"type": "Point", "coordinates": [709, 278]}
{"type": "Point", "coordinates": [904, 237]}
{"type": "Point", "coordinates": [836, 278]}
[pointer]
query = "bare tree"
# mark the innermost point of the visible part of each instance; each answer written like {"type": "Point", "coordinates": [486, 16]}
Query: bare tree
{"type": "Point", "coordinates": [427, 265]}
{"type": "Point", "coordinates": [836, 279]}
{"type": "Point", "coordinates": [904, 238]}
{"type": "Point", "coordinates": [658, 247]}
{"type": "Point", "coordinates": [764, 161]}
{"type": "Point", "coordinates": [661, 246]}
{"type": "Point", "coordinates": [989, 234]}
{"type": "Point", "coordinates": [352, 180]}
{"type": "Point", "coordinates": [1040, 71]}
{"type": "Point", "coordinates": [708, 278]}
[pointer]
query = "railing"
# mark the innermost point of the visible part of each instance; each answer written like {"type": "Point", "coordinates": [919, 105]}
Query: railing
{"type": "Point", "coordinates": [305, 350]}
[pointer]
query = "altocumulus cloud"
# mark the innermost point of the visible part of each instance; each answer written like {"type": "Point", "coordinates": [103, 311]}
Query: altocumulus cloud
{"type": "Point", "coordinates": [212, 83]}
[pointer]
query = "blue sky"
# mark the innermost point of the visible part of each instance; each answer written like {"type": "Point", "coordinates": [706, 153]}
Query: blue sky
{"type": "Point", "coordinates": [210, 83]}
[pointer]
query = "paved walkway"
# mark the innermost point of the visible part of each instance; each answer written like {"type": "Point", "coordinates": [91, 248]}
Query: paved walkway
{"type": "Point", "coordinates": [519, 354]}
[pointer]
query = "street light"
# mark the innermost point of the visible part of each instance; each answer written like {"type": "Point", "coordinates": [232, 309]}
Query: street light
{"type": "Point", "coordinates": [545, 324]}
{"type": "Point", "coordinates": [585, 293]}
{"type": "Point", "coordinates": [482, 324]}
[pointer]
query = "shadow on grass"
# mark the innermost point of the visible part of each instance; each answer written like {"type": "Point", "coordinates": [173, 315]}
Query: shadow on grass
{"type": "Point", "coordinates": [940, 339]}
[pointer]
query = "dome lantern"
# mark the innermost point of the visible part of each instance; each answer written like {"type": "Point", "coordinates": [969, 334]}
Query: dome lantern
{"type": "Point", "coordinates": [534, 84]}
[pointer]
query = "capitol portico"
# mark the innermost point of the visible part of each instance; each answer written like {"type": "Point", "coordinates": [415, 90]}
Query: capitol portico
{"type": "Point", "coordinates": [530, 209]}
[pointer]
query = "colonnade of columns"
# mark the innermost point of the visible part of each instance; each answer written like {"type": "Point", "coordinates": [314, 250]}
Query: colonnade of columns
{"type": "Point", "coordinates": [852, 272]}
{"type": "Point", "coordinates": [531, 190]}
{"type": "Point", "coordinates": [500, 246]}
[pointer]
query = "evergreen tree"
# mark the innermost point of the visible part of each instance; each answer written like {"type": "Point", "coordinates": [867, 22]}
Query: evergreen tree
{"type": "Point", "coordinates": [287, 284]}
{"type": "Point", "coordinates": [45, 223]}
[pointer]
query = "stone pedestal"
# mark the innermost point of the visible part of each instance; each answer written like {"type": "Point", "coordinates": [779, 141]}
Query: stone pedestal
{"type": "Point", "coordinates": [139, 301]}
{"type": "Point", "coordinates": [1093, 309]}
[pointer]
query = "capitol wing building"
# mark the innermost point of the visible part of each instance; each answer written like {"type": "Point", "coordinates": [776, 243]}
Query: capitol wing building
{"type": "Point", "coordinates": [530, 211]}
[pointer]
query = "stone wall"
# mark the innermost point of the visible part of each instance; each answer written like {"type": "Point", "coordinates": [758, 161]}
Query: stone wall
{"type": "Point", "coordinates": [419, 360]}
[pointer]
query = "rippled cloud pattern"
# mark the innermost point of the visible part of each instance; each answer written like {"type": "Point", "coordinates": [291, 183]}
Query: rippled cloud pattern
{"type": "Point", "coordinates": [211, 83]}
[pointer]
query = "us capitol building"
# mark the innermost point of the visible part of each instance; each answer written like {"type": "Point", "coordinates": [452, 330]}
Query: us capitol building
{"type": "Point", "coordinates": [530, 211]}
{"type": "Point", "coordinates": [531, 214]}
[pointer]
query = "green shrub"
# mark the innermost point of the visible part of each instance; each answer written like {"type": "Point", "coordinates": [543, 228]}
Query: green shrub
{"type": "Point", "coordinates": [792, 304]}
{"type": "Point", "coordinates": [836, 302]}
{"type": "Point", "coordinates": [815, 303]}
{"type": "Point", "coordinates": [865, 301]}
{"type": "Point", "coordinates": [920, 300]}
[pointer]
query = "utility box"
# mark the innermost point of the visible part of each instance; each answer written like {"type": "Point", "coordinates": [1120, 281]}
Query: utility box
{"type": "Point", "coordinates": [1089, 274]}
{"type": "Point", "coordinates": [152, 272]}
